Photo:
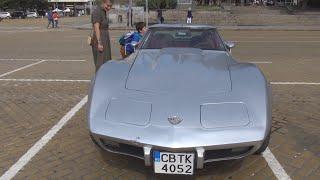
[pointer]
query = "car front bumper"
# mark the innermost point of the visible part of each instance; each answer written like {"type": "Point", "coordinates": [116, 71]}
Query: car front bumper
{"type": "Point", "coordinates": [204, 154]}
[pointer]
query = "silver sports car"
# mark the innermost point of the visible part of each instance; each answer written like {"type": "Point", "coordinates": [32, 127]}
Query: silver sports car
{"type": "Point", "coordinates": [180, 101]}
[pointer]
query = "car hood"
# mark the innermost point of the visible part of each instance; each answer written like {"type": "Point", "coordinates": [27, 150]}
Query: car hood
{"type": "Point", "coordinates": [180, 70]}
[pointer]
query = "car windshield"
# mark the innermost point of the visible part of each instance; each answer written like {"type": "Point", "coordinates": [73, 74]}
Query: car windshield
{"type": "Point", "coordinates": [205, 39]}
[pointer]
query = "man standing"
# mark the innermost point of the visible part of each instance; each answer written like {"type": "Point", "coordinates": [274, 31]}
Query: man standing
{"type": "Point", "coordinates": [101, 48]}
{"type": "Point", "coordinates": [50, 19]}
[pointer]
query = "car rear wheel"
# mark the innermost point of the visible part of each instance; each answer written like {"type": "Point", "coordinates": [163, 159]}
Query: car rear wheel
{"type": "Point", "coordinates": [264, 144]}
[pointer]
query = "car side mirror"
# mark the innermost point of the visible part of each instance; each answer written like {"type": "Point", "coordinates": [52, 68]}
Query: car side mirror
{"type": "Point", "coordinates": [229, 45]}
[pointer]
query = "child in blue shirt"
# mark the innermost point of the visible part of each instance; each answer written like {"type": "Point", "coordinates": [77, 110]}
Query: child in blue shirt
{"type": "Point", "coordinates": [132, 41]}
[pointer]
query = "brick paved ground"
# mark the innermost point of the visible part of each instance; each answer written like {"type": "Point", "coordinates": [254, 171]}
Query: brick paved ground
{"type": "Point", "coordinates": [296, 124]}
{"type": "Point", "coordinates": [29, 109]}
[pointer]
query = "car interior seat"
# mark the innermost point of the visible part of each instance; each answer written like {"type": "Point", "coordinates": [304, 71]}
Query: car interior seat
{"type": "Point", "coordinates": [161, 40]}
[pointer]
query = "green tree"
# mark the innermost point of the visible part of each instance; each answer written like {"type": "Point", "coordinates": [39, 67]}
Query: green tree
{"type": "Point", "coordinates": [303, 3]}
{"type": "Point", "coordinates": [158, 4]}
{"type": "Point", "coordinates": [24, 4]}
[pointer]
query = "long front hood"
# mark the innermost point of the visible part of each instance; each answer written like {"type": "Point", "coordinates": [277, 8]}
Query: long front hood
{"type": "Point", "coordinates": [191, 114]}
{"type": "Point", "coordinates": [172, 70]}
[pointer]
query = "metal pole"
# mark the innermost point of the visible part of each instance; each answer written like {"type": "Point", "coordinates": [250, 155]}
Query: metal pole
{"type": "Point", "coordinates": [91, 6]}
{"type": "Point", "coordinates": [130, 12]}
{"type": "Point", "coordinates": [147, 14]}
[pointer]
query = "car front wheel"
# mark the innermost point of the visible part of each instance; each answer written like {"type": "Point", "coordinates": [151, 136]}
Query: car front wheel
{"type": "Point", "coordinates": [264, 145]}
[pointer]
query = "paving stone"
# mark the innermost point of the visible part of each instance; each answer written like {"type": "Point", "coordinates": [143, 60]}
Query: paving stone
{"type": "Point", "coordinates": [21, 127]}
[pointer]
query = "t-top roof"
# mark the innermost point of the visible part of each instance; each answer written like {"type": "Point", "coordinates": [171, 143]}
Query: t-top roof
{"type": "Point", "coordinates": [192, 26]}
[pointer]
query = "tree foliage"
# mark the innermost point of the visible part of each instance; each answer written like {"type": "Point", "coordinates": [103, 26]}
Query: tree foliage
{"type": "Point", "coordinates": [24, 4]}
{"type": "Point", "coordinates": [158, 4]}
{"type": "Point", "coordinates": [208, 2]}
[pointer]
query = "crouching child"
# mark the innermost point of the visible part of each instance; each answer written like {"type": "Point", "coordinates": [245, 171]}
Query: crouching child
{"type": "Point", "coordinates": [131, 40]}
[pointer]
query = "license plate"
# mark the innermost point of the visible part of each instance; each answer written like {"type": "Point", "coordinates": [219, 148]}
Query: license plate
{"type": "Point", "coordinates": [173, 163]}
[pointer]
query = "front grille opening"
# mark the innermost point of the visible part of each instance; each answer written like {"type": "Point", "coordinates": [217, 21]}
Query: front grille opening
{"type": "Point", "coordinates": [123, 148]}
{"type": "Point", "coordinates": [225, 153]}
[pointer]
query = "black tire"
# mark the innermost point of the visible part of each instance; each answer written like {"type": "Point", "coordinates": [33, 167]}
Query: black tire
{"type": "Point", "coordinates": [264, 145]}
{"type": "Point", "coordinates": [94, 141]}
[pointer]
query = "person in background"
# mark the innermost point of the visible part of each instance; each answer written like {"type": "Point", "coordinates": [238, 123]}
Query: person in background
{"type": "Point", "coordinates": [101, 49]}
{"type": "Point", "coordinates": [189, 16]}
{"type": "Point", "coordinates": [131, 40]}
{"type": "Point", "coordinates": [160, 18]}
{"type": "Point", "coordinates": [56, 17]}
{"type": "Point", "coordinates": [50, 19]}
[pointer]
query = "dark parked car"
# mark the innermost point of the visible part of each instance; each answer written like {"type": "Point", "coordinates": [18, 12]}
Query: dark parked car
{"type": "Point", "coordinates": [41, 12]}
{"type": "Point", "coordinates": [18, 14]}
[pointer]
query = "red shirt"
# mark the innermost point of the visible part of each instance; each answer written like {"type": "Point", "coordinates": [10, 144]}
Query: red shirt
{"type": "Point", "coordinates": [55, 16]}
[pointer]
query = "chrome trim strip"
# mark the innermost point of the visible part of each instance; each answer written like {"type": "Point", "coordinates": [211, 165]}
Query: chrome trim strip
{"type": "Point", "coordinates": [116, 152]}
{"type": "Point", "coordinates": [200, 157]}
{"type": "Point", "coordinates": [147, 155]}
{"type": "Point", "coordinates": [200, 150]}
{"type": "Point", "coordinates": [232, 157]}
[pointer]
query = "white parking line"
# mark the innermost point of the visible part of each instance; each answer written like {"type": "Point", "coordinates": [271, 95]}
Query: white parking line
{"type": "Point", "coordinates": [14, 169]}
{"type": "Point", "coordinates": [277, 41]}
{"type": "Point", "coordinates": [261, 62]}
{"type": "Point", "coordinates": [19, 59]}
{"type": "Point", "coordinates": [46, 80]}
{"type": "Point", "coordinates": [264, 37]}
{"type": "Point", "coordinates": [65, 60]}
{"type": "Point", "coordinates": [87, 80]}
{"type": "Point", "coordinates": [24, 67]}
{"type": "Point", "coordinates": [275, 166]}
{"type": "Point", "coordinates": [295, 83]}
{"type": "Point", "coordinates": [55, 60]}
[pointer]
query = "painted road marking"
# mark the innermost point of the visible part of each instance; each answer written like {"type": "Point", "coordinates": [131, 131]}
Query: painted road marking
{"type": "Point", "coordinates": [295, 83]}
{"type": "Point", "coordinates": [87, 80]}
{"type": "Point", "coordinates": [24, 67]}
{"type": "Point", "coordinates": [261, 62]}
{"type": "Point", "coordinates": [275, 166]}
{"type": "Point", "coordinates": [55, 60]}
{"type": "Point", "coordinates": [14, 169]}
{"type": "Point", "coordinates": [265, 37]}
{"type": "Point", "coordinates": [277, 41]}
{"type": "Point", "coordinates": [46, 80]}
